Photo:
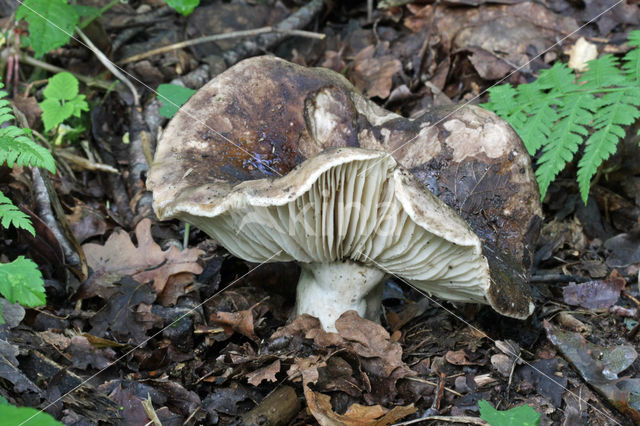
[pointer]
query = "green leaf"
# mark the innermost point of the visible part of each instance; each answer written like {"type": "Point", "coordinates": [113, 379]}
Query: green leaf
{"type": "Point", "coordinates": [632, 58]}
{"type": "Point", "coordinates": [12, 215]}
{"type": "Point", "coordinates": [89, 12]}
{"type": "Point", "coordinates": [173, 97]}
{"type": "Point", "coordinates": [15, 147]}
{"type": "Point", "coordinates": [602, 72]}
{"type": "Point", "coordinates": [617, 109]}
{"type": "Point", "coordinates": [62, 86]}
{"type": "Point", "coordinates": [12, 415]}
{"type": "Point", "coordinates": [556, 114]}
{"type": "Point", "coordinates": [51, 23]}
{"type": "Point", "coordinates": [21, 282]}
{"type": "Point", "coordinates": [518, 416]}
{"type": "Point", "coordinates": [61, 100]}
{"type": "Point", "coordinates": [184, 7]}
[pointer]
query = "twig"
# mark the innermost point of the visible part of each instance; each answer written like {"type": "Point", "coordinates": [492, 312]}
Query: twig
{"type": "Point", "coordinates": [216, 37]}
{"type": "Point", "coordinates": [427, 382]}
{"type": "Point", "coordinates": [109, 65]}
{"type": "Point", "coordinates": [453, 419]}
{"type": "Point", "coordinates": [85, 163]}
{"type": "Point", "coordinates": [89, 81]}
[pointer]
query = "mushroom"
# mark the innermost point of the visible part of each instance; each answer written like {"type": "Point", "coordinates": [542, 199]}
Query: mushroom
{"type": "Point", "coordinates": [284, 163]}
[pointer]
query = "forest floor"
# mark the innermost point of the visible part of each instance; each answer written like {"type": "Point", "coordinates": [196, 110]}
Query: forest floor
{"type": "Point", "coordinates": [214, 346]}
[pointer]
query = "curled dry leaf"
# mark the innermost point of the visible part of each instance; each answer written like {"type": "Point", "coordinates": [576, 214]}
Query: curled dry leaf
{"type": "Point", "coordinates": [119, 257]}
{"type": "Point", "coordinates": [356, 415]}
{"type": "Point", "coordinates": [241, 321]}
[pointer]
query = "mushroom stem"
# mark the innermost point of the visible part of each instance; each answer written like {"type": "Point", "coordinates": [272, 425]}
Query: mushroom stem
{"type": "Point", "coordinates": [327, 290]}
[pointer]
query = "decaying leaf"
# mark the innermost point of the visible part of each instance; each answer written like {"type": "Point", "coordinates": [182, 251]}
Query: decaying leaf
{"type": "Point", "coordinates": [85, 354]}
{"type": "Point", "coordinates": [265, 373]}
{"type": "Point", "coordinates": [373, 75]}
{"type": "Point", "coordinates": [242, 322]}
{"type": "Point", "coordinates": [356, 415]}
{"type": "Point", "coordinates": [600, 367]}
{"type": "Point", "coordinates": [119, 257]}
{"type": "Point", "coordinates": [598, 294]}
{"type": "Point", "coordinates": [119, 314]}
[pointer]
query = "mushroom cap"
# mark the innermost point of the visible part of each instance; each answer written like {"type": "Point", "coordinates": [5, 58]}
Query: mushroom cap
{"type": "Point", "coordinates": [345, 204]}
{"type": "Point", "coordinates": [253, 124]}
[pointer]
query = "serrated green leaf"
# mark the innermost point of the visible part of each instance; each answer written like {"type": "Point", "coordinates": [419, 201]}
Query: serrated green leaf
{"type": "Point", "coordinates": [51, 23]}
{"type": "Point", "coordinates": [53, 113]}
{"type": "Point", "coordinates": [184, 7]}
{"type": "Point", "coordinates": [89, 12]}
{"type": "Point", "coordinates": [10, 215]}
{"type": "Point", "coordinates": [523, 415]}
{"type": "Point", "coordinates": [172, 97]}
{"type": "Point", "coordinates": [617, 109]}
{"type": "Point", "coordinates": [602, 72]}
{"type": "Point", "coordinates": [21, 282]}
{"type": "Point", "coordinates": [79, 105]}
{"type": "Point", "coordinates": [556, 79]}
{"type": "Point", "coordinates": [16, 148]}
{"type": "Point", "coordinates": [62, 86]}
{"type": "Point", "coordinates": [558, 114]}
{"type": "Point", "coordinates": [12, 415]}
{"type": "Point", "coordinates": [632, 59]}
{"type": "Point", "coordinates": [61, 100]}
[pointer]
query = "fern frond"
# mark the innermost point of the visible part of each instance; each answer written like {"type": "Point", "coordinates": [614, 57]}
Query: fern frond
{"type": "Point", "coordinates": [15, 147]}
{"type": "Point", "coordinates": [602, 72]}
{"type": "Point", "coordinates": [616, 109]}
{"type": "Point", "coordinates": [555, 79]}
{"type": "Point", "coordinates": [12, 215]}
{"type": "Point", "coordinates": [575, 113]}
{"type": "Point", "coordinates": [502, 100]}
{"type": "Point", "coordinates": [631, 61]}
{"type": "Point", "coordinates": [541, 111]}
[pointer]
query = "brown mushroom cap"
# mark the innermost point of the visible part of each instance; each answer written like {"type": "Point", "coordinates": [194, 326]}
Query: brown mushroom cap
{"type": "Point", "coordinates": [272, 115]}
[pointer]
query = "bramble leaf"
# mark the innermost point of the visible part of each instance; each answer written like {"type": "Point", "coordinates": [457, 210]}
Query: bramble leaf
{"type": "Point", "coordinates": [51, 23]}
{"type": "Point", "coordinates": [62, 86]}
{"type": "Point", "coordinates": [523, 415]}
{"type": "Point", "coordinates": [12, 415]}
{"type": "Point", "coordinates": [21, 282]}
{"type": "Point", "coordinates": [184, 7]}
{"type": "Point", "coordinates": [173, 97]}
{"type": "Point", "coordinates": [61, 100]}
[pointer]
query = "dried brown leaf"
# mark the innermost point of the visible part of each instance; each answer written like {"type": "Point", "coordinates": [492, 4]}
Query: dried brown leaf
{"type": "Point", "coordinates": [265, 373]}
{"type": "Point", "coordinates": [119, 257]}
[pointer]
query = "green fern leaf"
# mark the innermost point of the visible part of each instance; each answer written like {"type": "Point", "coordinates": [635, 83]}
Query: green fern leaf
{"type": "Point", "coordinates": [567, 134]}
{"type": "Point", "coordinates": [555, 79]}
{"type": "Point", "coordinates": [539, 105]}
{"type": "Point", "coordinates": [21, 282]}
{"type": "Point", "coordinates": [12, 215]}
{"type": "Point", "coordinates": [617, 109]}
{"type": "Point", "coordinates": [631, 60]}
{"type": "Point", "coordinates": [502, 100]}
{"type": "Point", "coordinates": [602, 72]}
{"type": "Point", "coordinates": [15, 147]}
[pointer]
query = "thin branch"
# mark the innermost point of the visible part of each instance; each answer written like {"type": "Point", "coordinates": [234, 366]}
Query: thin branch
{"type": "Point", "coordinates": [216, 37]}
{"type": "Point", "coordinates": [110, 66]}
{"type": "Point", "coordinates": [89, 81]}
